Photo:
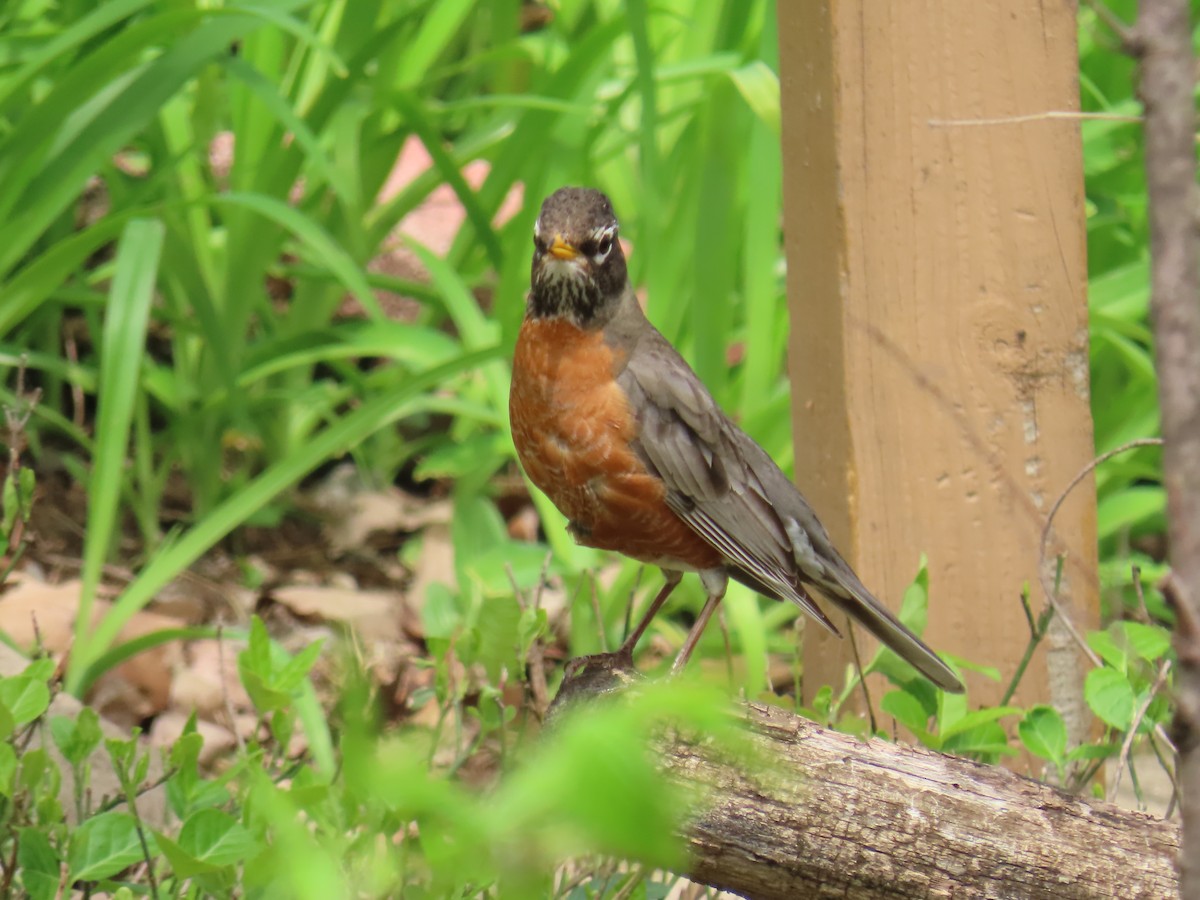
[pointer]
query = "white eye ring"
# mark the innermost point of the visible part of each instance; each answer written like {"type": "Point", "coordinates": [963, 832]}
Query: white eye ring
{"type": "Point", "coordinates": [604, 247]}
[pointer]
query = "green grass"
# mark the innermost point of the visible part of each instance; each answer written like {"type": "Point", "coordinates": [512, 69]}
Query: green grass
{"type": "Point", "coordinates": [641, 99]}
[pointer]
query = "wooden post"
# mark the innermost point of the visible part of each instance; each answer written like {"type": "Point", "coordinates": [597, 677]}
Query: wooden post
{"type": "Point", "coordinates": [939, 345]}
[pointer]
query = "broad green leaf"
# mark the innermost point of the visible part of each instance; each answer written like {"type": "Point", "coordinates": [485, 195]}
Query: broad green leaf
{"type": "Point", "coordinates": [39, 865]}
{"type": "Point", "coordinates": [1122, 292]}
{"type": "Point", "coordinates": [1093, 751]}
{"type": "Point", "coordinates": [292, 673]}
{"type": "Point", "coordinates": [438, 28]}
{"type": "Point", "coordinates": [216, 838]}
{"type": "Point", "coordinates": [7, 724]}
{"type": "Point", "coordinates": [745, 616]}
{"type": "Point", "coordinates": [257, 672]}
{"type": "Point", "coordinates": [1110, 697]}
{"type": "Point", "coordinates": [440, 615]}
{"type": "Point", "coordinates": [77, 738]}
{"type": "Point", "coordinates": [41, 669]}
{"type": "Point", "coordinates": [26, 698]}
{"type": "Point", "coordinates": [910, 713]}
{"type": "Point", "coordinates": [183, 864]}
{"type": "Point", "coordinates": [977, 718]}
{"type": "Point", "coordinates": [8, 768]}
{"type": "Point", "coordinates": [987, 740]}
{"type": "Point", "coordinates": [103, 846]}
{"type": "Point", "coordinates": [1129, 508]}
{"type": "Point", "coordinates": [35, 768]}
{"type": "Point", "coordinates": [1044, 734]}
{"type": "Point", "coordinates": [1106, 648]}
{"type": "Point", "coordinates": [499, 639]}
{"type": "Point", "coordinates": [1149, 642]}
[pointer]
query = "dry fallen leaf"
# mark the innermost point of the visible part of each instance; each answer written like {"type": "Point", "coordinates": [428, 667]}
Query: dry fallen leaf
{"type": "Point", "coordinates": [375, 615]}
{"type": "Point", "coordinates": [351, 510]}
{"type": "Point", "coordinates": [143, 682]}
{"type": "Point", "coordinates": [208, 679]}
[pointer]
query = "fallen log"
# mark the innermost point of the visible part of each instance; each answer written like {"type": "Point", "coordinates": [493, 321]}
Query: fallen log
{"type": "Point", "coordinates": [834, 816]}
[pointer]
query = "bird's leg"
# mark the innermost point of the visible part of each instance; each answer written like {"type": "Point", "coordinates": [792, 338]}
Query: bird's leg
{"type": "Point", "coordinates": [693, 638]}
{"type": "Point", "coordinates": [622, 657]}
{"type": "Point", "coordinates": [673, 579]}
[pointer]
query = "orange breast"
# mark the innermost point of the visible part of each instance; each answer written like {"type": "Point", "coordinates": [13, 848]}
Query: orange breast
{"type": "Point", "coordinates": [572, 426]}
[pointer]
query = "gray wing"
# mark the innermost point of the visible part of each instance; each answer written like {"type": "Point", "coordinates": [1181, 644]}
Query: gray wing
{"type": "Point", "coordinates": [727, 489]}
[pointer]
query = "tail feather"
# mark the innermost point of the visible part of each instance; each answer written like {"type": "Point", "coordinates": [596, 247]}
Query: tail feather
{"type": "Point", "coordinates": [858, 603]}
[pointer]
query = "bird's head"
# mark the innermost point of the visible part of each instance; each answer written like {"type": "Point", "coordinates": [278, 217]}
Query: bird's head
{"type": "Point", "coordinates": [578, 266]}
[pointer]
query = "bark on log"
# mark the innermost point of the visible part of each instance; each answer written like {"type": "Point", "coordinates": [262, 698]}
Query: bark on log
{"type": "Point", "coordinates": [829, 815]}
{"type": "Point", "coordinates": [845, 818]}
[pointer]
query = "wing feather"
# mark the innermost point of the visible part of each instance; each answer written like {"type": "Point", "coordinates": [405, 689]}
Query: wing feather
{"type": "Point", "coordinates": [731, 493]}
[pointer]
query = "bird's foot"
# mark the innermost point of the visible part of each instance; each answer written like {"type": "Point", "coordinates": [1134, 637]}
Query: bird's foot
{"type": "Point", "coordinates": [599, 664]}
{"type": "Point", "coordinates": [592, 677]}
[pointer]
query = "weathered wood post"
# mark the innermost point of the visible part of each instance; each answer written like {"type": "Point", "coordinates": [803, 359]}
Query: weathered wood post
{"type": "Point", "coordinates": [939, 346]}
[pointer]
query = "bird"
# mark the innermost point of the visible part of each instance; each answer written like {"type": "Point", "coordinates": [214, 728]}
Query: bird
{"type": "Point", "coordinates": [613, 425]}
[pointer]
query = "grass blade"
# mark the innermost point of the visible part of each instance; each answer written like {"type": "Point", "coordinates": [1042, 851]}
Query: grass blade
{"type": "Point", "coordinates": [123, 346]}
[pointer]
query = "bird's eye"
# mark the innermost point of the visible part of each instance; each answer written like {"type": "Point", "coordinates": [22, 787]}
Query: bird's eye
{"type": "Point", "coordinates": [605, 245]}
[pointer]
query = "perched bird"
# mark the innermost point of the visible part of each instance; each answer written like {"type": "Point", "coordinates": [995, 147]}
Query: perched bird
{"type": "Point", "coordinates": [619, 432]}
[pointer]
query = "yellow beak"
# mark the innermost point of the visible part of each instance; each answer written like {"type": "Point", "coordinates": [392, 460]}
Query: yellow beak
{"type": "Point", "coordinates": [560, 249]}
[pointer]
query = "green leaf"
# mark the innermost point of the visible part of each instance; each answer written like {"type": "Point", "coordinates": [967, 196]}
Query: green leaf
{"type": "Point", "coordinates": [293, 673]}
{"type": "Point", "coordinates": [1129, 508]}
{"type": "Point", "coordinates": [26, 698]}
{"type": "Point", "coordinates": [822, 702]}
{"type": "Point", "coordinates": [1110, 697]}
{"type": "Point", "coordinates": [1106, 648]}
{"type": "Point", "coordinates": [257, 671]}
{"type": "Point", "coordinates": [183, 864]}
{"type": "Point", "coordinates": [1044, 734]}
{"type": "Point", "coordinates": [532, 625]}
{"type": "Point", "coordinates": [440, 615]}
{"type": "Point", "coordinates": [8, 768]}
{"type": "Point", "coordinates": [103, 846]}
{"type": "Point", "coordinates": [39, 865]}
{"type": "Point", "coordinates": [987, 740]}
{"type": "Point", "coordinates": [41, 669]}
{"type": "Point", "coordinates": [17, 498]}
{"type": "Point", "coordinates": [35, 767]}
{"type": "Point", "coordinates": [977, 718]}
{"type": "Point", "coordinates": [914, 610]}
{"type": "Point", "coordinates": [1093, 751]}
{"type": "Point", "coordinates": [498, 635]}
{"type": "Point", "coordinates": [911, 713]}
{"type": "Point", "coordinates": [1148, 642]}
{"type": "Point", "coordinates": [7, 725]}
{"type": "Point", "coordinates": [77, 738]}
{"type": "Point", "coordinates": [217, 839]}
